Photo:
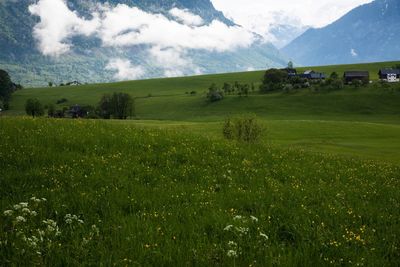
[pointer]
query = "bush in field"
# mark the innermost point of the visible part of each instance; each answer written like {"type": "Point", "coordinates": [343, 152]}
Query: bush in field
{"type": "Point", "coordinates": [243, 129]}
{"type": "Point", "coordinates": [51, 111]}
{"type": "Point", "coordinates": [118, 105]}
{"type": "Point", "coordinates": [214, 93]}
{"type": "Point", "coordinates": [33, 107]}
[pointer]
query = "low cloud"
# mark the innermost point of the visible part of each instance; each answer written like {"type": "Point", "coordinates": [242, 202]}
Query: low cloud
{"type": "Point", "coordinates": [124, 70]}
{"type": "Point", "coordinates": [186, 17]}
{"type": "Point", "coordinates": [167, 40]}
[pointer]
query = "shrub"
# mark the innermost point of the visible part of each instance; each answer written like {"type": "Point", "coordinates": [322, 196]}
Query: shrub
{"type": "Point", "coordinates": [243, 129]}
{"type": "Point", "coordinates": [61, 101]}
{"type": "Point", "coordinates": [51, 111]}
{"type": "Point", "coordinates": [214, 94]}
{"type": "Point", "coordinates": [33, 107]}
{"type": "Point", "coordinates": [273, 80]}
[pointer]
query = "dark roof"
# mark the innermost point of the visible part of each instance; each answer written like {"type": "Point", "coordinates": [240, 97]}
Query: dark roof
{"type": "Point", "coordinates": [389, 71]}
{"type": "Point", "coordinates": [357, 73]}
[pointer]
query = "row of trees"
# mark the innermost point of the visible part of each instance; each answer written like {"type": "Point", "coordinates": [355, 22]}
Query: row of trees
{"type": "Point", "coordinates": [241, 89]}
{"type": "Point", "coordinates": [116, 105]}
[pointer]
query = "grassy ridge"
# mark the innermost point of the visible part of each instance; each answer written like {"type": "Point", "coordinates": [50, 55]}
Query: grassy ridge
{"type": "Point", "coordinates": [156, 197]}
{"type": "Point", "coordinates": [168, 95]}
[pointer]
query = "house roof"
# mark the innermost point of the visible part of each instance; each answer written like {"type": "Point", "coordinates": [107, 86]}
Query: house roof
{"type": "Point", "coordinates": [389, 71]}
{"type": "Point", "coordinates": [308, 72]}
{"type": "Point", "coordinates": [356, 73]}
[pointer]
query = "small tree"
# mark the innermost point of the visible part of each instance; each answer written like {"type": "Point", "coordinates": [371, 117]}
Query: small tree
{"type": "Point", "coordinates": [33, 107]}
{"type": "Point", "coordinates": [214, 94]}
{"type": "Point", "coordinates": [50, 84]}
{"type": "Point", "coordinates": [227, 88]}
{"type": "Point", "coordinates": [105, 109]}
{"type": "Point", "coordinates": [290, 65]}
{"type": "Point", "coordinates": [51, 111]}
{"type": "Point", "coordinates": [334, 75]}
{"type": "Point", "coordinates": [122, 105]}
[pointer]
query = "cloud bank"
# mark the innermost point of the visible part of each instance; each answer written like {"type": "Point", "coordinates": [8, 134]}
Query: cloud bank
{"type": "Point", "coordinates": [168, 40]}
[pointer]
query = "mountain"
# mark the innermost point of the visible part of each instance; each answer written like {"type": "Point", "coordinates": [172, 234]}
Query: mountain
{"type": "Point", "coordinates": [283, 34]}
{"type": "Point", "coordinates": [368, 33]}
{"type": "Point", "coordinates": [88, 59]}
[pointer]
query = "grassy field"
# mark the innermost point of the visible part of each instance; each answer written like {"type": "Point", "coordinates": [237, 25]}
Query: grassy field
{"type": "Point", "coordinates": [165, 188]}
{"type": "Point", "coordinates": [81, 192]}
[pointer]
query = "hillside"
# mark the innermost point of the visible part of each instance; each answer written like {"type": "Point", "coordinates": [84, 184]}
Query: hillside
{"type": "Point", "coordinates": [366, 34]}
{"type": "Point", "coordinates": [88, 57]}
{"type": "Point", "coordinates": [361, 122]}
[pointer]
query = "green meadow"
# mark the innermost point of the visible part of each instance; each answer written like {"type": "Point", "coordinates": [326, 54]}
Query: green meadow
{"type": "Point", "coordinates": [166, 189]}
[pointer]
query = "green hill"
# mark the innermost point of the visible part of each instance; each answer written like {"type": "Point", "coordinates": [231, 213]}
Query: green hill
{"type": "Point", "coordinates": [320, 121]}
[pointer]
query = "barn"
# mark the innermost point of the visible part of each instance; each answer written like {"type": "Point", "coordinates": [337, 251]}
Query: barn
{"type": "Point", "coordinates": [350, 76]}
{"type": "Point", "coordinates": [389, 75]}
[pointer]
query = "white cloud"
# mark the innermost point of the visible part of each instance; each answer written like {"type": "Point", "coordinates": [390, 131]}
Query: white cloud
{"type": "Point", "coordinates": [258, 15]}
{"type": "Point", "coordinates": [57, 24]}
{"type": "Point", "coordinates": [353, 52]}
{"type": "Point", "coordinates": [124, 69]}
{"type": "Point", "coordinates": [186, 17]}
{"type": "Point", "coordinates": [123, 26]}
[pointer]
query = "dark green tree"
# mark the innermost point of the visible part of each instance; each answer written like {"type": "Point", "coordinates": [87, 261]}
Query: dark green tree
{"type": "Point", "coordinates": [105, 107]}
{"type": "Point", "coordinates": [214, 94]}
{"type": "Point", "coordinates": [334, 75]}
{"type": "Point", "coordinates": [227, 88]}
{"type": "Point", "coordinates": [6, 87]}
{"type": "Point", "coordinates": [122, 105]}
{"type": "Point", "coordinates": [273, 80]}
{"type": "Point", "coordinates": [34, 108]}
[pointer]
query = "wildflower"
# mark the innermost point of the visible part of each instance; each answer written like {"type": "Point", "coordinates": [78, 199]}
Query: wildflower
{"type": "Point", "coordinates": [242, 230]}
{"type": "Point", "coordinates": [232, 244]}
{"type": "Point", "coordinates": [8, 213]}
{"type": "Point", "coordinates": [254, 219]}
{"type": "Point", "coordinates": [24, 204]}
{"type": "Point", "coordinates": [17, 207]}
{"type": "Point", "coordinates": [229, 227]}
{"type": "Point", "coordinates": [26, 211]}
{"type": "Point", "coordinates": [33, 213]}
{"type": "Point", "coordinates": [20, 219]}
{"type": "Point", "coordinates": [231, 253]}
{"type": "Point", "coordinates": [237, 217]}
{"type": "Point", "coordinates": [264, 235]}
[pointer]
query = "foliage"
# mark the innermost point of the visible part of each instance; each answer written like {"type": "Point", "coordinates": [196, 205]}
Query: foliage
{"type": "Point", "coordinates": [61, 101]}
{"type": "Point", "coordinates": [243, 129]}
{"type": "Point", "coordinates": [334, 75]}
{"type": "Point", "coordinates": [51, 111]}
{"type": "Point", "coordinates": [214, 93]}
{"type": "Point", "coordinates": [118, 105]}
{"type": "Point", "coordinates": [273, 80]}
{"type": "Point", "coordinates": [34, 108]}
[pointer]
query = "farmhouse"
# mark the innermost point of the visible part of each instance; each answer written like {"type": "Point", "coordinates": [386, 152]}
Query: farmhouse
{"type": "Point", "coordinates": [313, 75]}
{"type": "Point", "coordinates": [350, 76]}
{"type": "Point", "coordinates": [389, 75]}
{"type": "Point", "coordinates": [290, 72]}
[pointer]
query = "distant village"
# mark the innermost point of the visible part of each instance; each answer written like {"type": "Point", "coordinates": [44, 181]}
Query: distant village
{"type": "Point", "coordinates": [391, 75]}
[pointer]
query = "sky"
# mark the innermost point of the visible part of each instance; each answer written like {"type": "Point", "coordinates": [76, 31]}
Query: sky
{"type": "Point", "coordinates": [256, 15]}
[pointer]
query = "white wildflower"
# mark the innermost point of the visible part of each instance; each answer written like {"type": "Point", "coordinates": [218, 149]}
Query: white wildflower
{"type": "Point", "coordinates": [228, 227]}
{"type": "Point", "coordinates": [8, 213]}
{"type": "Point", "coordinates": [80, 221]}
{"type": "Point", "coordinates": [17, 207]}
{"type": "Point", "coordinates": [33, 213]}
{"type": "Point", "coordinates": [232, 244]}
{"type": "Point", "coordinates": [43, 199]}
{"type": "Point", "coordinates": [254, 219]}
{"type": "Point", "coordinates": [264, 235]}
{"type": "Point", "coordinates": [231, 253]}
{"type": "Point", "coordinates": [242, 230]}
{"type": "Point", "coordinates": [36, 200]}
{"type": "Point", "coordinates": [26, 211]}
{"type": "Point", "coordinates": [24, 204]}
{"type": "Point", "coordinates": [237, 217]}
{"type": "Point", "coordinates": [20, 219]}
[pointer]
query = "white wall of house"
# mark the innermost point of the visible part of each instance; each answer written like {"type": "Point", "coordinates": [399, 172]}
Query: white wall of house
{"type": "Point", "coordinates": [392, 78]}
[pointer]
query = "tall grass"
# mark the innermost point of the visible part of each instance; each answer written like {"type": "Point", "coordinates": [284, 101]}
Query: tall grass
{"type": "Point", "coordinates": [92, 193]}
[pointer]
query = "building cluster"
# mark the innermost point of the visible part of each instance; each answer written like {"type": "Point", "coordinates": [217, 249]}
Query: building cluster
{"type": "Point", "coordinates": [388, 74]}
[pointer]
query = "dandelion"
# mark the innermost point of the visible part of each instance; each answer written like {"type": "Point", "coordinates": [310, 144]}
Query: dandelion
{"type": "Point", "coordinates": [20, 219]}
{"type": "Point", "coordinates": [231, 253]}
{"type": "Point", "coordinates": [8, 213]}
{"type": "Point", "coordinates": [228, 227]}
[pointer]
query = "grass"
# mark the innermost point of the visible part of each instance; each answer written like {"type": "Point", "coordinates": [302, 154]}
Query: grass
{"type": "Point", "coordinates": [168, 197]}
